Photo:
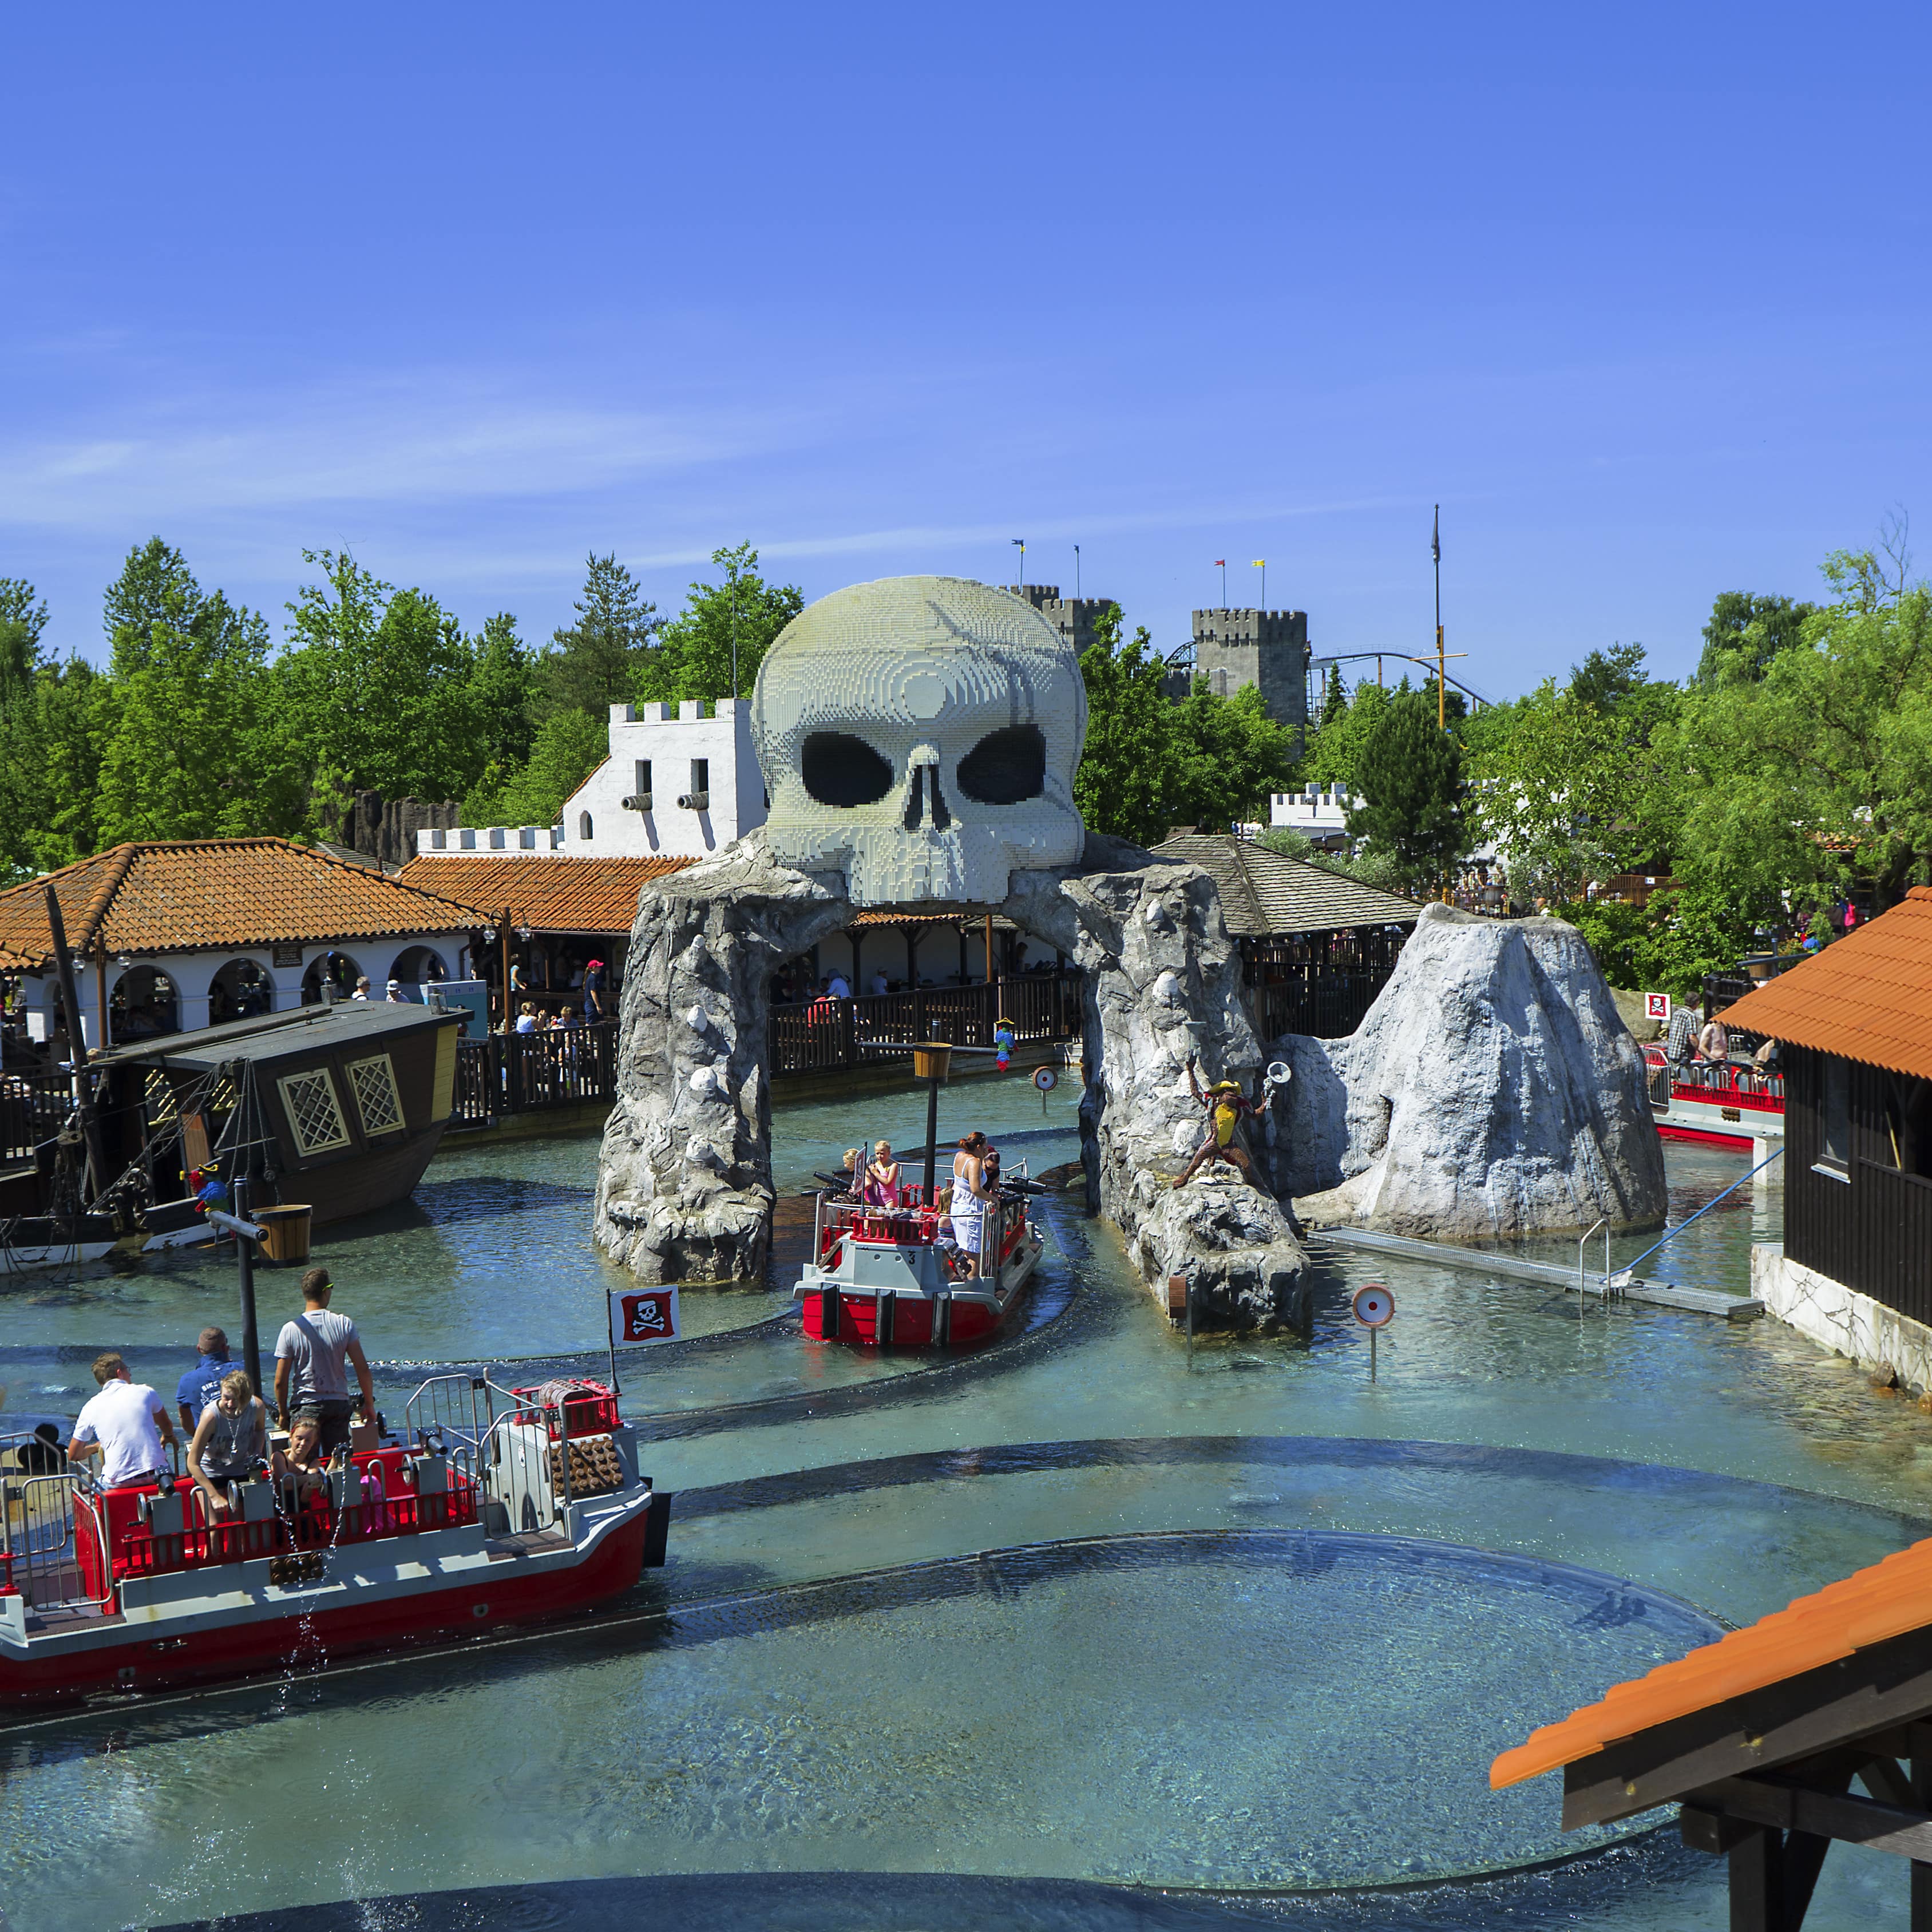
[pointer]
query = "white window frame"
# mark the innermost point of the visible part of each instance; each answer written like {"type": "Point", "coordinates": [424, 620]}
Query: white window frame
{"type": "Point", "coordinates": [305, 1147]}
{"type": "Point", "coordinates": [354, 1068]}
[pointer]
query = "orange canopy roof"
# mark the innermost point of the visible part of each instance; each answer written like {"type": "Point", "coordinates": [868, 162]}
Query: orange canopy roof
{"type": "Point", "coordinates": [1866, 1607]}
{"type": "Point", "coordinates": [1867, 997]}
{"type": "Point", "coordinates": [185, 896]}
{"type": "Point", "coordinates": [548, 891]}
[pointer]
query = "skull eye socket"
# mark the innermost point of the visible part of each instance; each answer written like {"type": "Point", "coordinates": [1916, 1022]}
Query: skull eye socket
{"type": "Point", "coordinates": [1005, 766]}
{"type": "Point", "coordinates": [841, 769]}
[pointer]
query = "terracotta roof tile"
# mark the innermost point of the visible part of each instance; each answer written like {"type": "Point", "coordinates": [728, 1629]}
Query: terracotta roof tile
{"type": "Point", "coordinates": [1867, 997]}
{"type": "Point", "coordinates": [1268, 894]}
{"type": "Point", "coordinates": [200, 895]}
{"type": "Point", "coordinates": [1866, 1607]}
{"type": "Point", "coordinates": [549, 891]}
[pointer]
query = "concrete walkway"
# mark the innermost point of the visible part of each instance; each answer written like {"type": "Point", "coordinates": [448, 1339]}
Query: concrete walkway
{"type": "Point", "coordinates": [1548, 1274]}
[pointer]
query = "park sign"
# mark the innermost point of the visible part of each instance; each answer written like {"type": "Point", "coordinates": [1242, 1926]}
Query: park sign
{"type": "Point", "coordinates": [641, 1315]}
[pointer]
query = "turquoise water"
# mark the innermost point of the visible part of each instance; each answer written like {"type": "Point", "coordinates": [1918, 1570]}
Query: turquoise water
{"type": "Point", "coordinates": [1163, 1684]}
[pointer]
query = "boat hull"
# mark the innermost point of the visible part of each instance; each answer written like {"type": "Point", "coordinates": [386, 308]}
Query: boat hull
{"type": "Point", "coordinates": [889, 1317]}
{"type": "Point", "coordinates": [310, 1637]}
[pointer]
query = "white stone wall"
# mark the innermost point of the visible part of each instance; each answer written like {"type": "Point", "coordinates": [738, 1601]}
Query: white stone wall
{"type": "Point", "coordinates": [1840, 1318]}
{"type": "Point", "coordinates": [193, 973]}
{"type": "Point", "coordinates": [596, 822]}
{"type": "Point", "coordinates": [1323, 816]}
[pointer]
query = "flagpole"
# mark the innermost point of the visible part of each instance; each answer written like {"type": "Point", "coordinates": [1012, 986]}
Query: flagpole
{"type": "Point", "coordinates": [1441, 660]}
{"type": "Point", "coordinates": [1261, 564]}
{"type": "Point", "coordinates": [1021, 542]}
{"type": "Point", "coordinates": [1076, 573]}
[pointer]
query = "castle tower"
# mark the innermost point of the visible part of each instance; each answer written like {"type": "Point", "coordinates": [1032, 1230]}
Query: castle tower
{"type": "Point", "coordinates": [1073, 617]}
{"type": "Point", "coordinates": [1266, 649]}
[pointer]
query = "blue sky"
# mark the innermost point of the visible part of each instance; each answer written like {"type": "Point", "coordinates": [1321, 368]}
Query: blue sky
{"type": "Point", "coordinates": [1639, 295]}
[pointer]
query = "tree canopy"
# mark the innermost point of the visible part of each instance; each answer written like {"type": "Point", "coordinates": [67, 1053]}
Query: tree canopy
{"type": "Point", "coordinates": [1409, 771]}
{"type": "Point", "coordinates": [738, 616]}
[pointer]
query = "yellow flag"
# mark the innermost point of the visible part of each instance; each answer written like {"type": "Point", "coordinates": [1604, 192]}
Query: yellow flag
{"type": "Point", "coordinates": [1259, 563]}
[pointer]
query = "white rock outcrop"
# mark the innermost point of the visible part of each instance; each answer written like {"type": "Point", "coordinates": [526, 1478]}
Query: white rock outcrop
{"type": "Point", "coordinates": [1492, 1090]}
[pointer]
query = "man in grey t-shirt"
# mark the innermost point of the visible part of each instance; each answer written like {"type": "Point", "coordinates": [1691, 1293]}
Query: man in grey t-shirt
{"type": "Point", "coordinates": [310, 1354]}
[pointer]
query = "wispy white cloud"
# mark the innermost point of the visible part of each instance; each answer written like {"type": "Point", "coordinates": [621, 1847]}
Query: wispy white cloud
{"type": "Point", "coordinates": [382, 444]}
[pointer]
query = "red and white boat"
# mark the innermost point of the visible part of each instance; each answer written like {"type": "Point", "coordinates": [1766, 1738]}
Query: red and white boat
{"type": "Point", "coordinates": [1721, 1106]}
{"type": "Point", "coordinates": [497, 1508]}
{"type": "Point", "coordinates": [881, 1277]}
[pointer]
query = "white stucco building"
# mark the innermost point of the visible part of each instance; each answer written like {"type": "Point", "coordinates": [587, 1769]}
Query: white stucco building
{"type": "Point", "coordinates": [675, 785]}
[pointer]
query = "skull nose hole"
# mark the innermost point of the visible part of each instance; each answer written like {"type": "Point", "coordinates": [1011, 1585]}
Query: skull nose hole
{"type": "Point", "coordinates": [941, 818]}
{"type": "Point", "coordinates": [839, 768]}
{"type": "Point", "coordinates": [915, 799]}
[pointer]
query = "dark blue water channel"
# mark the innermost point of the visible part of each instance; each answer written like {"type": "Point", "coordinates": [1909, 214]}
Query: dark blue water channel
{"type": "Point", "coordinates": [1080, 1630]}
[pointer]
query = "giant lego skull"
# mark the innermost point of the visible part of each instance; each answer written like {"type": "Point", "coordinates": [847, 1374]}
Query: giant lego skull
{"type": "Point", "coordinates": [920, 734]}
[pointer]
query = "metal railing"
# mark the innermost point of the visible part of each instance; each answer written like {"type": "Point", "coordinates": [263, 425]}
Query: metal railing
{"type": "Point", "coordinates": [1309, 997]}
{"type": "Point", "coordinates": [39, 1531]}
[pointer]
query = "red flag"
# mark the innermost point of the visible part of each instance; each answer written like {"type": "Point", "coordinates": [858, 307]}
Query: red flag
{"type": "Point", "coordinates": [1220, 563]}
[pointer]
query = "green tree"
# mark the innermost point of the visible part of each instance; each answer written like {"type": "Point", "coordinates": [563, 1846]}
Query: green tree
{"type": "Point", "coordinates": [502, 693]}
{"type": "Point", "coordinates": [1606, 680]}
{"type": "Point", "coordinates": [1226, 757]}
{"type": "Point", "coordinates": [378, 686]}
{"type": "Point", "coordinates": [1410, 776]}
{"type": "Point", "coordinates": [191, 749]}
{"type": "Point", "coordinates": [1335, 750]}
{"type": "Point", "coordinates": [693, 657]}
{"type": "Point", "coordinates": [1123, 787]}
{"type": "Point", "coordinates": [596, 662]}
{"type": "Point", "coordinates": [568, 746]}
{"type": "Point", "coordinates": [1746, 632]}
{"type": "Point", "coordinates": [1818, 774]}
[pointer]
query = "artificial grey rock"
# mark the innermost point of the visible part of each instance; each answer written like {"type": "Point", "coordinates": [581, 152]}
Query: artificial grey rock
{"type": "Point", "coordinates": [684, 1186]}
{"type": "Point", "coordinates": [1492, 1090]}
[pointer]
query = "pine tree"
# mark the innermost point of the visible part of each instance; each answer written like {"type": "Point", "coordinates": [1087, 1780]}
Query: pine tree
{"type": "Point", "coordinates": [596, 662]}
{"type": "Point", "coordinates": [1410, 774]}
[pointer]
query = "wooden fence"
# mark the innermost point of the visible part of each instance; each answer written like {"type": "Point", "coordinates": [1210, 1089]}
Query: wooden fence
{"type": "Point", "coordinates": [529, 1072]}
{"type": "Point", "coordinates": [32, 1107]}
{"type": "Point", "coordinates": [1313, 996]}
{"type": "Point", "coordinates": [824, 1034]}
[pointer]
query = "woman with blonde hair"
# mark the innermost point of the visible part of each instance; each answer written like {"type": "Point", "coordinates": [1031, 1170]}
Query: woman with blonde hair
{"type": "Point", "coordinates": [229, 1441]}
{"type": "Point", "coordinates": [882, 1177]}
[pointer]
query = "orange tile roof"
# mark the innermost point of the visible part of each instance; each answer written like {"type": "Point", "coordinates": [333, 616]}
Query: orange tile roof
{"type": "Point", "coordinates": [1866, 1607]}
{"type": "Point", "coordinates": [548, 891]}
{"type": "Point", "coordinates": [196, 894]}
{"type": "Point", "coordinates": [1867, 997]}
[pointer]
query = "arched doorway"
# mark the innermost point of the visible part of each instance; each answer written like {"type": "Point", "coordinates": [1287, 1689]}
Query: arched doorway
{"type": "Point", "coordinates": [338, 970]}
{"type": "Point", "coordinates": [145, 1004]}
{"type": "Point", "coordinates": [418, 966]}
{"type": "Point", "coordinates": [241, 990]}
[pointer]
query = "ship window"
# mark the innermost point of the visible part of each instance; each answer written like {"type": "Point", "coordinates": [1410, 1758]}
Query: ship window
{"type": "Point", "coordinates": [1835, 1117]}
{"type": "Point", "coordinates": [380, 1106]}
{"type": "Point", "coordinates": [315, 1115]}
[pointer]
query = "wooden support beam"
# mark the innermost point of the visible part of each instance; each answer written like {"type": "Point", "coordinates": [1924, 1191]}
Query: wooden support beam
{"type": "Point", "coordinates": [1785, 1806]}
{"type": "Point", "coordinates": [1872, 1691]}
{"type": "Point", "coordinates": [1757, 1883]}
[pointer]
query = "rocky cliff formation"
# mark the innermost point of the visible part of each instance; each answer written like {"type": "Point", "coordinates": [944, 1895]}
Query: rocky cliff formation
{"type": "Point", "coordinates": [1492, 1089]}
{"type": "Point", "coordinates": [684, 1186]}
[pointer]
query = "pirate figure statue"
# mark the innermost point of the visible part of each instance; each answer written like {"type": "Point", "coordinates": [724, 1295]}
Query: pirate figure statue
{"type": "Point", "coordinates": [1225, 1104]}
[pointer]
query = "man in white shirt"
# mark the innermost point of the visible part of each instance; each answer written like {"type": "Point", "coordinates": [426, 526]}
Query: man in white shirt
{"type": "Point", "coordinates": [310, 1355]}
{"type": "Point", "coordinates": [839, 987]}
{"type": "Point", "coordinates": [126, 1425]}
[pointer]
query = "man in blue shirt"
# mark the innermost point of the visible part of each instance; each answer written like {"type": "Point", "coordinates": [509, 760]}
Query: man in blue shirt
{"type": "Point", "coordinates": [202, 1383]}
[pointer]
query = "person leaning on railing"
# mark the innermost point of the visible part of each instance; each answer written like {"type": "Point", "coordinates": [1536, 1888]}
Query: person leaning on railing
{"type": "Point", "coordinates": [126, 1425]}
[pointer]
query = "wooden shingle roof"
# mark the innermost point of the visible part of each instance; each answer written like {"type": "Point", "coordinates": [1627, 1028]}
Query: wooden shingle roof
{"type": "Point", "coordinates": [199, 894]}
{"type": "Point", "coordinates": [1867, 997]}
{"type": "Point", "coordinates": [548, 891]}
{"type": "Point", "coordinates": [1266, 894]}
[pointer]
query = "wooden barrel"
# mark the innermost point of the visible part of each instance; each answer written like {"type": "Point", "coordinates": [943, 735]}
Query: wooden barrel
{"type": "Point", "coordinates": [286, 1239]}
{"type": "Point", "coordinates": [930, 1062]}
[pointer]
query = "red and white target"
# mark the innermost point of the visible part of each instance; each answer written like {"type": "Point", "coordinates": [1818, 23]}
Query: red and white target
{"type": "Point", "coordinates": [1375, 1306]}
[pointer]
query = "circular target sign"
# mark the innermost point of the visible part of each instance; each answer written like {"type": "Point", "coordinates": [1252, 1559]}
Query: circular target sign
{"type": "Point", "coordinates": [1375, 1306]}
{"type": "Point", "coordinates": [1045, 1079]}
